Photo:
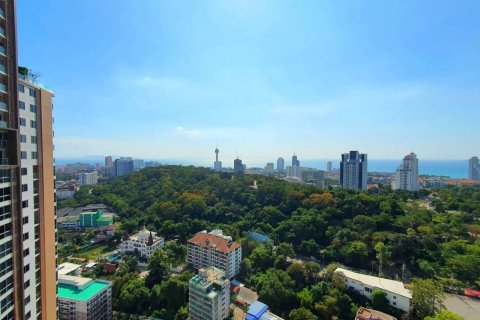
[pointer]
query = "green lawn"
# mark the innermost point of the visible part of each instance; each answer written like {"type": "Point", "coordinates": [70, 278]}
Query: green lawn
{"type": "Point", "coordinates": [91, 253]}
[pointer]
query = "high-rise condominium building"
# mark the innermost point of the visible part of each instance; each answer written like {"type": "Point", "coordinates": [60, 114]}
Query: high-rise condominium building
{"type": "Point", "coordinates": [238, 167]}
{"type": "Point", "coordinates": [217, 165]}
{"type": "Point", "coordinates": [108, 161]}
{"type": "Point", "coordinates": [214, 249]}
{"type": "Point", "coordinates": [209, 295]}
{"type": "Point", "coordinates": [295, 161]}
{"type": "Point", "coordinates": [270, 167]}
{"type": "Point", "coordinates": [406, 177]}
{"type": "Point", "coordinates": [474, 169]}
{"type": "Point", "coordinates": [329, 167]}
{"type": "Point", "coordinates": [87, 178]}
{"type": "Point", "coordinates": [123, 166]}
{"type": "Point", "coordinates": [353, 171]}
{"type": "Point", "coordinates": [280, 165]}
{"type": "Point", "coordinates": [27, 201]}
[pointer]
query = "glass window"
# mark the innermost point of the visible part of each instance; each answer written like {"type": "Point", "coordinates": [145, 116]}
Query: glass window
{"type": "Point", "coordinates": [34, 155]}
{"type": "Point", "coordinates": [23, 122]}
{"type": "Point", "coordinates": [23, 154]}
{"type": "Point", "coordinates": [33, 123]}
{"type": "Point", "coordinates": [33, 108]}
{"type": "Point", "coordinates": [21, 87]}
{"type": "Point", "coordinates": [24, 171]}
{"type": "Point", "coordinates": [32, 92]}
{"type": "Point", "coordinates": [21, 105]}
{"type": "Point", "coordinates": [34, 139]}
{"type": "Point", "coordinates": [23, 138]}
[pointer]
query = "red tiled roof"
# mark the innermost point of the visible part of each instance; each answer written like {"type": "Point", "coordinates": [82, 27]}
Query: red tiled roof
{"type": "Point", "coordinates": [213, 241]}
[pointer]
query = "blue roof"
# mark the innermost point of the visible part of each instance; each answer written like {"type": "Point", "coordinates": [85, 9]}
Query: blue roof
{"type": "Point", "coordinates": [256, 310]}
{"type": "Point", "coordinates": [258, 236]}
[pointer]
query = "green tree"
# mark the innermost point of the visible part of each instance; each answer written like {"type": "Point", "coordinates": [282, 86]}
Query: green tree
{"type": "Point", "coordinates": [383, 255]}
{"type": "Point", "coordinates": [427, 298]}
{"type": "Point", "coordinates": [134, 297]}
{"type": "Point", "coordinates": [275, 288]}
{"type": "Point", "coordinates": [379, 300]}
{"type": "Point", "coordinates": [297, 273]}
{"type": "Point", "coordinates": [302, 314]}
{"type": "Point", "coordinates": [158, 267]}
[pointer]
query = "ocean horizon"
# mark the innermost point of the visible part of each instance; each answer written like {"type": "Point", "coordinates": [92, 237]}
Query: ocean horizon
{"type": "Point", "coordinates": [451, 168]}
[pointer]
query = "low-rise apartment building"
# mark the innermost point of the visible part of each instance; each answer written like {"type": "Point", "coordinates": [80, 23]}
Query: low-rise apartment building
{"type": "Point", "coordinates": [398, 296]}
{"type": "Point", "coordinates": [82, 298]}
{"type": "Point", "coordinates": [214, 249]}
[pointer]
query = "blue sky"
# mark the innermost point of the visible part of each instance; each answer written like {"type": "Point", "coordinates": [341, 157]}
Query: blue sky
{"type": "Point", "coordinates": [170, 79]}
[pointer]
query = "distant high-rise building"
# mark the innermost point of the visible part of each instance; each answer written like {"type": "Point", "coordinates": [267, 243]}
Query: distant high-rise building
{"type": "Point", "coordinates": [329, 167]}
{"type": "Point", "coordinates": [280, 165]}
{"type": "Point", "coordinates": [295, 161]}
{"type": "Point", "coordinates": [270, 167]}
{"type": "Point", "coordinates": [294, 172]}
{"type": "Point", "coordinates": [353, 171]}
{"type": "Point", "coordinates": [123, 166]}
{"type": "Point", "coordinates": [217, 165]}
{"type": "Point", "coordinates": [138, 164]}
{"type": "Point", "coordinates": [406, 177]}
{"type": "Point", "coordinates": [86, 178]}
{"type": "Point", "coordinates": [108, 161]}
{"type": "Point", "coordinates": [474, 169]}
{"type": "Point", "coordinates": [238, 167]}
{"type": "Point", "coordinates": [209, 295]}
{"type": "Point", "coordinates": [149, 164]}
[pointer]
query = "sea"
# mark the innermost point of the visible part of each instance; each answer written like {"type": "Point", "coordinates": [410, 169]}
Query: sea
{"type": "Point", "coordinates": [450, 168]}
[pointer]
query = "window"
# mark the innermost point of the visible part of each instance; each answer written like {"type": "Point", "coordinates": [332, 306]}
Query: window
{"type": "Point", "coordinates": [368, 289]}
{"type": "Point", "coordinates": [21, 87]}
{"type": "Point", "coordinates": [34, 139]}
{"type": "Point", "coordinates": [24, 171]}
{"type": "Point", "coordinates": [23, 138]}
{"type": "Point", "coordinates": [25, 236]}
{"type": "Point", "coordinates": [33, 108]}
{"type": "Point", "coordinates": [394, 303]}
{"type": "Point", "coordinates": [26, 252]}
{"type": "Point", "coordinates": [23, 154]}
{"type": "Point", "coordinates": [27, 300]}
{"type": "Point", "coordinates": [33, 123]}
{"type": "Point", "coordinates": [394, 297]}
{"type": "Point", "coordinates": [29, 313]}
{"type": "Point", "coordinates": [24, 187]}
{"type": "Point", "coordinates": [26, 268]}
{"type": "Point", "coordinates": [23, 122]}
{"type": "Point", "coordinates": [34, 155]}
{"type": "Point", "coordinates": [32, 92]}
{"type": "Point", "coordinates": [25, 220]}
{"type": "Point", "coordinates": [24, 203]}
{"type": "Point", "coordinates": [21, 105]}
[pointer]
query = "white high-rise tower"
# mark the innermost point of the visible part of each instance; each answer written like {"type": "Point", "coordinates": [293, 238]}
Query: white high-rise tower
{"type": "Point", "coordinates": [407, 174]}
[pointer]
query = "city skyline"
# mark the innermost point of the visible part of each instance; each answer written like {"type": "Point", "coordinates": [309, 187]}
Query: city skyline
{"type": "Point", "coordinates": [221, 71]}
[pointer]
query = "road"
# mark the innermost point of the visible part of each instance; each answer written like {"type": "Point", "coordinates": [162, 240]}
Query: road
{"type": "Point", "coordinates": [468, 308]}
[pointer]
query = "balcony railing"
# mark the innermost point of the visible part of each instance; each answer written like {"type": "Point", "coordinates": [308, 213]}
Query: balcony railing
{"type": "Point", "coordinates": [4, 161]}
{"type": "Point", "coordinates": [2, 50]}
{"type": "Point", "coordinates": [3, 88]}
{"type": "Point", "coordinates": [3, 124]}
{"type": "Point", "coordinates": [3, 106]}
{"type": "Point", "coordinates": [1, 14]}
{"type": "Point", "coordinates": [2, 32]}
{"type": "Point", "coordinates": [3, 69]}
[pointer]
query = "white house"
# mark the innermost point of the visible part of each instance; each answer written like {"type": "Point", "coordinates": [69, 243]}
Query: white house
{"type": "Point", "coordinates": [397, 295]}
{"type": "Point", "coordinates": [143, 243]}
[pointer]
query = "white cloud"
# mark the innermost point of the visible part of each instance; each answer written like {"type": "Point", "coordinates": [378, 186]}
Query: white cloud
{"type": "Point", "coordinates": [180, 131]}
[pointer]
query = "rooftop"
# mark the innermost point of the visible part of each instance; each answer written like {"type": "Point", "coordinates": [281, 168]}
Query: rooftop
{"type": "Point", "coordinates": [67, 267]}
{"type": "Point", "coordinates": [370, 314]}
{"type": "Point", "coordinates": [218, 242]}
{"type": "Point", "coordinates": [79, 288]}
{"type": "Point", "coordinates": [393, 286]}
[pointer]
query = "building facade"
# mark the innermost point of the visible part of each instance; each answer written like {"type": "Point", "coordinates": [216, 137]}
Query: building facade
{"type": "Point", "coordinates": [209, 295]}
{"type": "Point", "coordinates": [86, 178]}
{"type": "Point", "coordinates": [108, 161]}
{"type": "Point", "coordinates": [214, 249]}
{"type": "Point", "coordinates": [280, 165]}
{"type": "Point", "coordinates": [295, 161]}
{"type": "Point", "coordinates": [397, 295]}
{"type": "Point", "coordinates": [123, 166]}
{"type": "Point", "coordinates": [353, 171]}
{"type": "Point", "coordinates": [473, 169]}
{"type": "Point", "coordinates": [269, 168]}
{"type": "Point", "coordinates": [142, 244]}
{"type": "Point", "coordinates": [329, 166]}
{"type": "Point", "coordinates": [84, 298]}
{"type": "Point", "coordinates": [406, 176]}
{"type": "Point", "coordinates": [138, 164]}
